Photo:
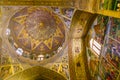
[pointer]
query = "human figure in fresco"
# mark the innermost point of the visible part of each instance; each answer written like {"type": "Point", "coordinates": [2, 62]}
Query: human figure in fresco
{"type": "Point", "coordinates": [107, 73]}
{"type": "Point", "coordinates": [112, 73]}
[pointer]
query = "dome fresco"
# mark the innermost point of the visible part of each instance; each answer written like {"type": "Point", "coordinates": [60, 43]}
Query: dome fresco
{"type": "Point", "coordinates": [37, 30]}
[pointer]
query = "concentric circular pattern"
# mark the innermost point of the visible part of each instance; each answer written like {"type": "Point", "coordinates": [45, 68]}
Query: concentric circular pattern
{"type": "Point", "coordinates": [37, 29]}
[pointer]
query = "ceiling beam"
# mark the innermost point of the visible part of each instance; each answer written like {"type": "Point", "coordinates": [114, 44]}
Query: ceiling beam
{"type": "Point", "coordinates": [64, 3]}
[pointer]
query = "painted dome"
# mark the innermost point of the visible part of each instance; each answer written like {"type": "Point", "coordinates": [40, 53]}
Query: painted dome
{"type": "Point", "coordinates": [37, 30]}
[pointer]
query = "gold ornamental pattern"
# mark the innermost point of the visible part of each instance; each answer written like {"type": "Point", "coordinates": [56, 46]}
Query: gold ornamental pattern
{"type": "Point", "coordinates": [37, 29]}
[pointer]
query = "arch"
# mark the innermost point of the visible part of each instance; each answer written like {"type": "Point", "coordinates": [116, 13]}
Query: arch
{"type": "Point", "coordinates": [80, 26]}
{"type": "Point", "coordinates": [37, 73]}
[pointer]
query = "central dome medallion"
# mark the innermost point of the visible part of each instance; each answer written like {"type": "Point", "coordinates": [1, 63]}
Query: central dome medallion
{"type": "Point", "coordinates": [41, 24]}
{"type": "Point", "coordinates": [37, 30]}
